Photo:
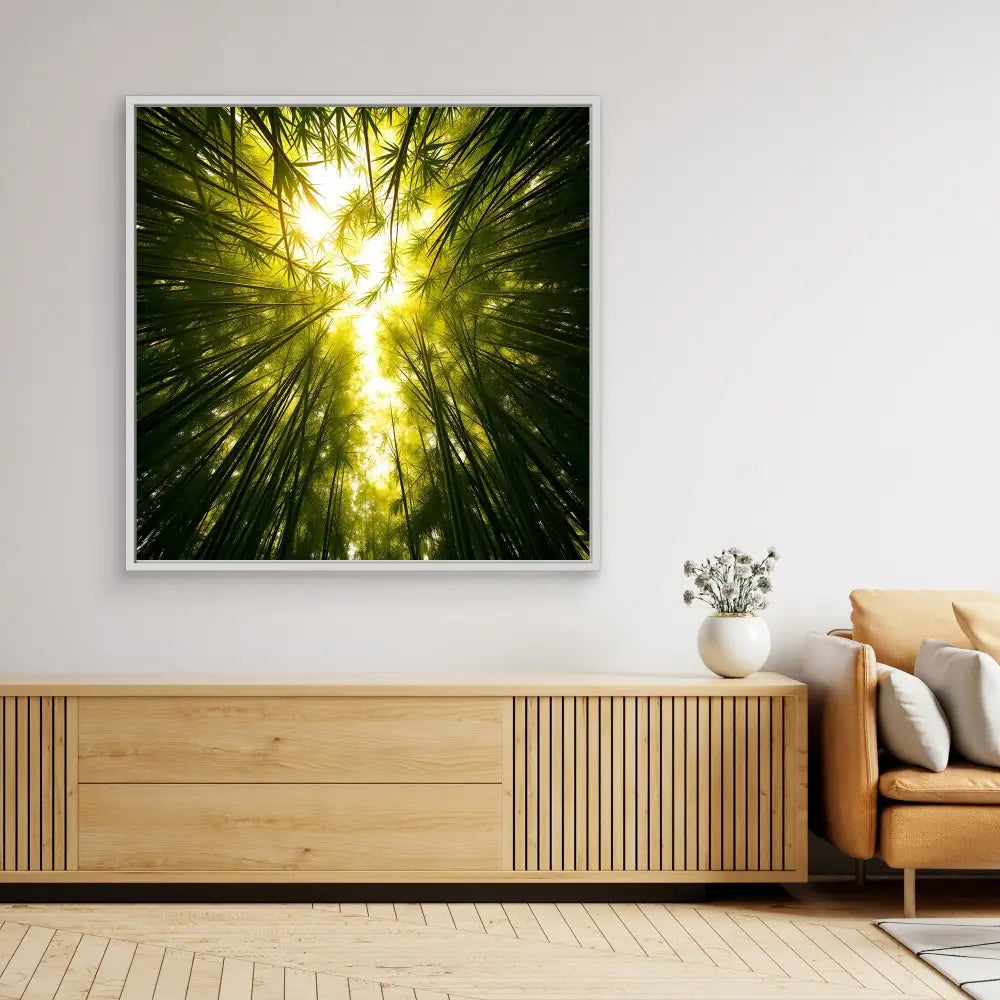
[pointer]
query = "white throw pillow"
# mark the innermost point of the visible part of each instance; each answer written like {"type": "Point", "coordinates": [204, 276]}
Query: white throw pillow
{"type": "Point", "coordinates": [911, 723]}
{"type": "Point", "coordinates": [967, 683]}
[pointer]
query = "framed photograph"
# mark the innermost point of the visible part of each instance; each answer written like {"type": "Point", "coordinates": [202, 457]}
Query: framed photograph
{"type": "Point", "coordinates": [361, 333]}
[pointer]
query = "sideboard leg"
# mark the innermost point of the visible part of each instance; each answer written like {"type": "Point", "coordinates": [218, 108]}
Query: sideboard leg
{"type": "Point", "coordinates": [909, 892]}
{"type": "Point", "coordinates": [860, 872]}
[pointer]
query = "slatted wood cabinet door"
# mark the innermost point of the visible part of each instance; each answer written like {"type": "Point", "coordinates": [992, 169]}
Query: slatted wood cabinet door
{"type": "Point", "coordinates": [38, 789]}
{"type": "Point", "coordinates": [709, 786]}
{"type": "Point", "coordinates": [581, 778]}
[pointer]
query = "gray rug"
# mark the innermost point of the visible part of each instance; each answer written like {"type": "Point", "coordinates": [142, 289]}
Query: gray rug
{"type": "Point", "coordinates": [966, 951]}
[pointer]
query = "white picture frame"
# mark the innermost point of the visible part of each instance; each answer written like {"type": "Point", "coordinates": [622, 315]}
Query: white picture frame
{"type": "Point", "coordinates": [133, 564]}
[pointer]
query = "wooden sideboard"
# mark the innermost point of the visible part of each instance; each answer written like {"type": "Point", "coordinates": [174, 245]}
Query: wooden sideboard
{"type": "Point", "coordinates": [589, 778]}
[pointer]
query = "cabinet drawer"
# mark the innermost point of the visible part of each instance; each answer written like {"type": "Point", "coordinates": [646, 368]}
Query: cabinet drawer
{"type": "Point", "coordinates": [405, 828]}
{"type": "Point", "coordinates": [194, 739]}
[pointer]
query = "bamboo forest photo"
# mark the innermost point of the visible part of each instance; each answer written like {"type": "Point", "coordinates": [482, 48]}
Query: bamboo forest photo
{"type": "Point", "coordinates": [362, 333]}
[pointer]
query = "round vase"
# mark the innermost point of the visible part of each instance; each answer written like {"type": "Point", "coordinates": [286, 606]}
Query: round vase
{"type": "Point", "coordinates": [734, 645]}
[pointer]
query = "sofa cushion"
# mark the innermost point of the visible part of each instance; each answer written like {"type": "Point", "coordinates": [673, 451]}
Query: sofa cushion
{"type": "Point", "coordinates": [981, 624]}
{"type": "Point", "coordinates": [939, 835]}
{"type": "Point", "coordinates": [962, 783]}
{"type": "Point", "coordinates": [895, 622]}
{"type": "Point", "coordinates": [911, 723]}
{"type": "Point", "coordinates": [967, 683]}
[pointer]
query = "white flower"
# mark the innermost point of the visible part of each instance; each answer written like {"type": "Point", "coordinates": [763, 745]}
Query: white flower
{"type": "Point", "coordinates": [732, 581]}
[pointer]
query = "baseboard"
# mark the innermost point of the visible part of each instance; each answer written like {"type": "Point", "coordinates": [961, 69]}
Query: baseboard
{"type": "Point", "coordinates": [896, 875]}
{"type": "Point", "coordinates": [479, 892]}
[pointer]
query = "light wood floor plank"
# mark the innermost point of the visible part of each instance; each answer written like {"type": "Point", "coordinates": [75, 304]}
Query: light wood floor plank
{"type": "Point", "coordinates": [893, 971]}
{"type": "Point", "coordinates": [365, 989]}
{"type": "Point", "coordinates": [332, 987]}
{"type": "Point", "coordinates": [409, 913]}
{"type": "Point", "coordinates": [354, 909]}
{"type": "Point", "coordinates": [206, 978]}
{"type": "Point", "coordinates": [809, 951]}
{"type": "Point", "coordinates": [300, 984]}
{"type": "Point", "coordinates": [175, 972]}
{"type": "Point", "coordinates": [867, 976]}
{"type": "Point", "coordinates": [614, 931]}
{"type": "Point", "coordinates": [673, 932]}
{"type": "Point", "coordinates": [47, 977]}
{"type": "Point", "coordinates": [495, 919]}
{"type": "Point", "coordinates": [583, 927]}
{"type": "Point", "coordinates": [466, 917]}
{"type": "Point", "coordinates": [748, 950]}
{"type": "Point", "coordinates": [713, 945]}
{"type": "Point", "coordinates": [142, 974]}
{"type": "Point", "coordinates": [268, 981]}
{"type": "Point", "coordinates": [10, 937]}
{"type": "Point", "coordinates": [523, 921]}
{"type": "Point", "coordinates": [437, 915]}
{"type": "Point", "coordinates": [780, 951]}
{"type": "Point", "coordinates": [390, 992]}
{"type": "Point", "coordinates": [382, 911]}
{"type": "Point", "coordinates": [237, 979]}
{"type": "Point", "coordinates": [553, 926]}
{"type": "Point", "coordinates": [83, 968]}
{"type": "Point", "coordinates": [24, 961]}
{"type": "Point", "coordinates": [113, 971]}
{"type": "Point", "coordinates": [645, 934]}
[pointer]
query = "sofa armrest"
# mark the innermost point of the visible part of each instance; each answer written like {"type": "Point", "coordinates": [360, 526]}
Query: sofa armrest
{"type": "Point", "coordinates": [843, 749]}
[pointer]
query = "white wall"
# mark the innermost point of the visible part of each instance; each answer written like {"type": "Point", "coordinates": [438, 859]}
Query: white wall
{"type": "Point", "coordinates": [800, 322]}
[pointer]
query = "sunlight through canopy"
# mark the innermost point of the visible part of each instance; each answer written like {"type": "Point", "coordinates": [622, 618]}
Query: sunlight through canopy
{"type": "Point", "coordinates": [362, 333]}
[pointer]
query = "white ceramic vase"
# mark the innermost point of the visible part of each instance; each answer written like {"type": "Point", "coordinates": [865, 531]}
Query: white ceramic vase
{"type": "Point", "coordinates": [734, 645]}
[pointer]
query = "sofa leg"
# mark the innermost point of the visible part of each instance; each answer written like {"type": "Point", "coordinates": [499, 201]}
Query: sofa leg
{"type": "Point", "coordinates": [909, 892]}
{"type": "Point", "coordinates": [860, 872]}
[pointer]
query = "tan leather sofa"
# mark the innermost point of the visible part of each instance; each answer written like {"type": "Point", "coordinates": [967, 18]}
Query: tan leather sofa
{"type": "Point", "coordinates": [868, 805]}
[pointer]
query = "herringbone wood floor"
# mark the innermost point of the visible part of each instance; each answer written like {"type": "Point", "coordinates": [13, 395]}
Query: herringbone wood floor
{"type": "Point", "coordinates": [818, 943]}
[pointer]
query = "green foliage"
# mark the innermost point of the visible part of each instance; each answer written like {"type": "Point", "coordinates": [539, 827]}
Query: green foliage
{"type": "Point", "coordinates": [362, 333]}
